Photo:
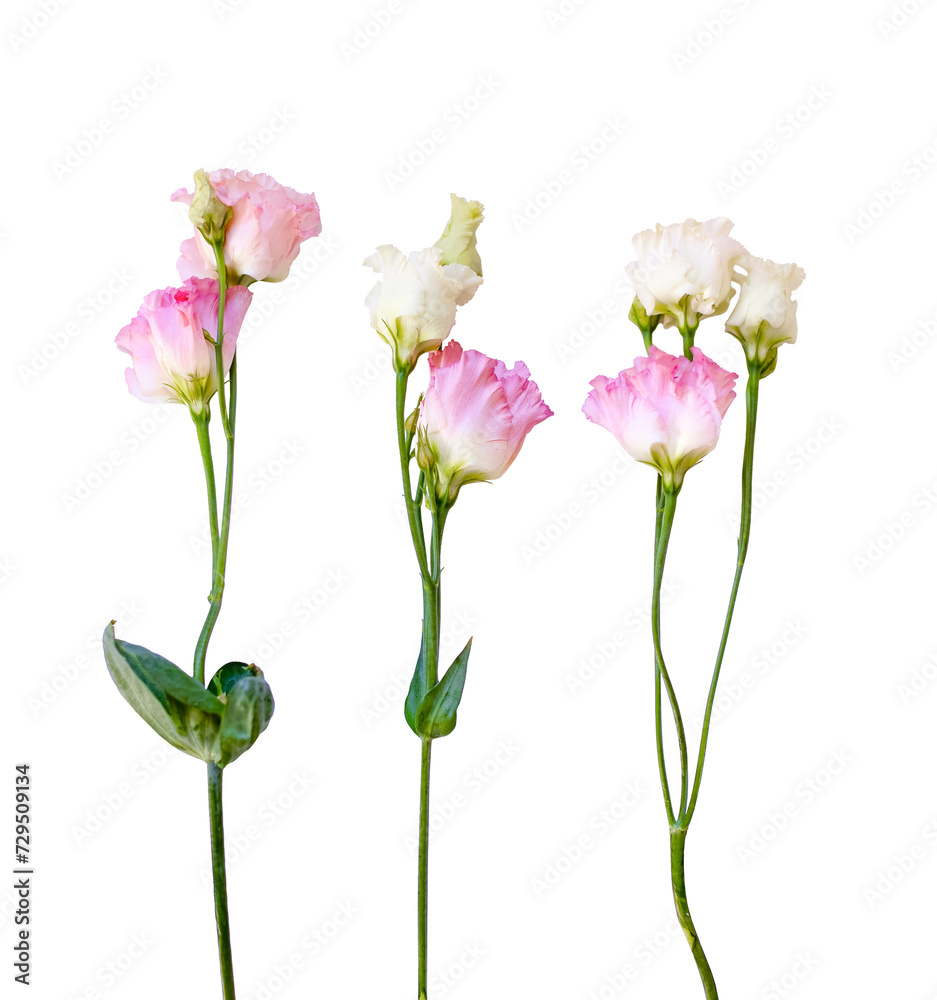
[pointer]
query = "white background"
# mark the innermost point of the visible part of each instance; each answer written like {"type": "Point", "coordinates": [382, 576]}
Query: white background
{"type": "Point", "coordinates": [806, 123]}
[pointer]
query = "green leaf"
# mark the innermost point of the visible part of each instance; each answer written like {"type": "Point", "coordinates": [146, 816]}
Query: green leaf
{"type": "Point", "coordinates": [216, 724]}
{"type": "Point", "coordinates": [171, 702]}
{"type": "Point", "coordinates": [412, 704]}
{"type": "Point", "coordinates": [437, 713]}
{"type": "Point", "coordinates": [247, 714]}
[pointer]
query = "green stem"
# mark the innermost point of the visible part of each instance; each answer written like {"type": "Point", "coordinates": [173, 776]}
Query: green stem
{"type": "Point", "coordinates": [204, 443]}
{"type": "Point", "coordinates": [414, 517]}
{"type": "Point", "coordinates": [423, 869]}
{"type": "Point", "coordinates": [665, 524]}
{"type": "Point", "coordinates": [432, 608]}
{"type": "Point", "coordinates": [220, 883]}
{"type": "Point", "coordinates": [228, 413]}
{"type": "Point", "coordinates": [677, 849]}
{"type": "Point", "coordinates": [745, 527]}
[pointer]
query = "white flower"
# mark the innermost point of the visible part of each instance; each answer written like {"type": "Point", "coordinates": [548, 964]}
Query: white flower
{"type": "Point", "coordinates": [765, 315]}
{"type": "Point", "coordinates": [684, 271]}
{"type": "Point", "coordinates": [413, 306]}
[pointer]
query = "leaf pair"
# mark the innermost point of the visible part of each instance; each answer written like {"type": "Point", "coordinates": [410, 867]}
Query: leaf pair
{"type": "Point", "coordinates": [434, 714]}
{"type": "Point", "coordinates": [216, 724]}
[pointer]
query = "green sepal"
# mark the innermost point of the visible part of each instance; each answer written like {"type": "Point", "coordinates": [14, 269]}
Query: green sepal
{"type": "Point", "coordinates": [247, 713]}
{"type": "Point", "coordinates": [215, 725]}
{"type": "Point", "coordinates": [437, 713]}
{"type": "Point", "coordinates": [412, 704]}
{"type": "Point", "coordinates": [227, 676]}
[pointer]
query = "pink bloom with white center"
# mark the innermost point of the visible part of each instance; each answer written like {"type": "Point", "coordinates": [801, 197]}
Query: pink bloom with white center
{"type": "Point", "coordinates": [666, 411]}
{"type": "Point", "coordinates": [474, 417]}
{"type": "Point", "coordinates": [263, 237]}
{"type": "Point", "coordinates": [172, 360]}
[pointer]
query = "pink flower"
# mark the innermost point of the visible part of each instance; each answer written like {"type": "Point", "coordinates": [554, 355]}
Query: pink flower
{"type": "Point", "coordinates": [474, 417]}
{"type": "Point", "coordinates": [666, 411]}
{"type": "Point", "coordinates": [263, 237]}
{"type": "Point", "coordinates": [172, 360]}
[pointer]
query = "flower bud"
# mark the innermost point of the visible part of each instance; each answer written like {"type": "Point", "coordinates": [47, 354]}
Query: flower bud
{"type": "Point", "coordinates": [458, 239]}
{"type": "Point", "coordinates": [765, 315]}
{"type": "Point", "coordinates": [208, 213]}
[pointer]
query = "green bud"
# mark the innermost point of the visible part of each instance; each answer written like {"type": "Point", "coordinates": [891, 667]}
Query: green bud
{"type": "Point", "coordinates": [458, 239]}
{"type": "Point", "coordinates": [208, 213]}
{"type": "Point", "coordinates": [646, 324]}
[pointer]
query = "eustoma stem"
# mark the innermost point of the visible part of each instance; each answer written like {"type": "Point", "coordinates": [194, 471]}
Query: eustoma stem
{"type": "Point", "coordinates": [678, 829]}
{"type": "Point", "coordinates": [429, 661]}
{"type": "Point", "coordinates": [227, 411]}
{"type": "Point", "coordinates": [679, 823]}
{"type": "Point", "coordinates": [745, 527]}
{"type": "Point", "coordinates": [219, 562]}
{"type": "Point", "coordinates": [216, 818]}
{"type": "Point", "coordinates": [677, 846]}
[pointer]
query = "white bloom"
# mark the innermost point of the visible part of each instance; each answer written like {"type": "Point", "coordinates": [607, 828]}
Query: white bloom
{"type": "Point", "coordinates": [413, 306]}
{"type": "Point", "coordinates": [765, 315]}
{"type": "Point", "coordinates": [684, 271]}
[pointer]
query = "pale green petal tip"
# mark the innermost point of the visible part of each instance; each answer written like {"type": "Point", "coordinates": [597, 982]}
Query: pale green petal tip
{"type": "Point", "coordinates": [458, 239]}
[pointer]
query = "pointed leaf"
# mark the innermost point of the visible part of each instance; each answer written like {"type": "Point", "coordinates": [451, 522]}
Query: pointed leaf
{"type": "Point", "coordinates": [437, 714]}
{"type": "Point", "coordinates": [171, 702]}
